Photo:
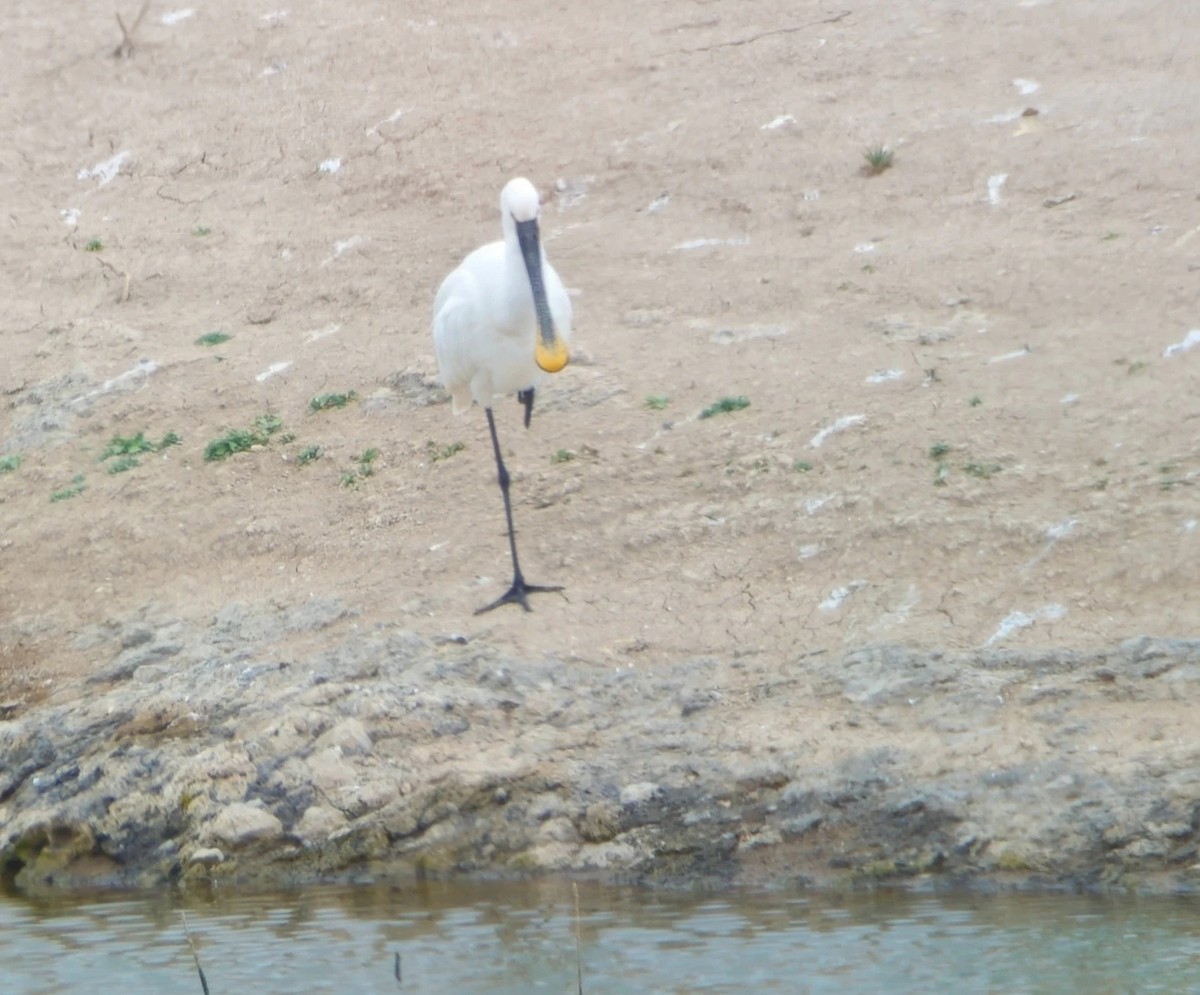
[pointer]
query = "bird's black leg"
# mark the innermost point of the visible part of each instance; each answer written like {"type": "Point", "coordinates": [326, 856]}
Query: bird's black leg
{"type": "Point", "coordinates": [518, 593]}
{"type": "Point", "coordinates": [526, 398]}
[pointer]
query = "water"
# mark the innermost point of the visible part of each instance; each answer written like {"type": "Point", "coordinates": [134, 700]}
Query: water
{"type": "Point", "coordinates": [521, 938]}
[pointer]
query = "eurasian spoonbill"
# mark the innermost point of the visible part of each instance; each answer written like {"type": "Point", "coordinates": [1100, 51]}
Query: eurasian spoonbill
{"type": "Point", "coordinates": [501, 322]}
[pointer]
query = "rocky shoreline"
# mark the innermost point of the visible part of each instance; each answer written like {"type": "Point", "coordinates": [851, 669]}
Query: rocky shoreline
{"type": "Point", "coordinates": [297, 744]}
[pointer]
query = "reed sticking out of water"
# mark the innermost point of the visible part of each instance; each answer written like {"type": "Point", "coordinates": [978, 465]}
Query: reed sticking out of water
{"type": "Point", "coordinates": [396, 970]}
{"type": "Point", "coordinates": [578, 942]}
{"type": "Point", "coordinates": [195, 956]}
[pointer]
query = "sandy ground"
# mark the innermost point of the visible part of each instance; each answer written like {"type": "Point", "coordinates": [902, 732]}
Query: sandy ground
{"type": "Point", "coordinates": [972, 418]}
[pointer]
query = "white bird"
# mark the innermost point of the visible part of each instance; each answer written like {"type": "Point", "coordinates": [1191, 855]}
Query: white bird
{"type": "Point", "coordinates": [501, 322]}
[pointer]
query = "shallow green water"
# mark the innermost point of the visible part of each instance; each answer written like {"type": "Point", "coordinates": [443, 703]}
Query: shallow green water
{"type": "Point", "coordinates": [521, 938]}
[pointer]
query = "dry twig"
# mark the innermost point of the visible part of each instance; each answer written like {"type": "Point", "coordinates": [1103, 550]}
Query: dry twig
{"type": "Point", "coordinates": [766, 34]}
{"type": "Point", "coordinates": [125, 49]}
{"type": "Point", "coordinates": [578, 941]}
{"type": "Point", "coordinates": [195, 956]}
{"type": "Point", "coordinates": [124, 275]}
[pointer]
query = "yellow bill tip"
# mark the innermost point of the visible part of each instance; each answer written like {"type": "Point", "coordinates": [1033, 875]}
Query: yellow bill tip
{"type": "Point", "coordinates": [553, 357]}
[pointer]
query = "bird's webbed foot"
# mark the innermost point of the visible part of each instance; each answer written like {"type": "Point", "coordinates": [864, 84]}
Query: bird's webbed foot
{"type": "Point", "coordinates": [518, 594]}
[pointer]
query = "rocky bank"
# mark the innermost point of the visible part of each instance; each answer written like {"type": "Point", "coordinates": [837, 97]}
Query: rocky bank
{"type": "Point", "coordinates": [282, 744]}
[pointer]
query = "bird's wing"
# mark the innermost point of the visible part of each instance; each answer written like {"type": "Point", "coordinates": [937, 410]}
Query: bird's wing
{"type": "Point", "coordinates": [560, 303]}
{"type": "Point", "coordinates": [453, 322]}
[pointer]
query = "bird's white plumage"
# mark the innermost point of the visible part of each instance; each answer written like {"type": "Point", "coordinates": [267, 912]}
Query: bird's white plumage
{"type": "Point", "coordinates": [484, 323]}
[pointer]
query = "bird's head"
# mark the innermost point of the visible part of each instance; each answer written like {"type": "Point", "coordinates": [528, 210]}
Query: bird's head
{"type": "Point", "coordinates": [519, 200]}
{"type": "Point", "coordinates": [520, 207]}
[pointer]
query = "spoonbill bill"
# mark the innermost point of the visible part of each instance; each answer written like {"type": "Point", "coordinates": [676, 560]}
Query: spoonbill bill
{"type": "Point", "coordinates": [501, 323]}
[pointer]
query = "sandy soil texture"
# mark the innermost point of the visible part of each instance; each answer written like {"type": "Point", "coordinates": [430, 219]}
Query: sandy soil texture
{"type": "Point", "coordinates": [973, 378]}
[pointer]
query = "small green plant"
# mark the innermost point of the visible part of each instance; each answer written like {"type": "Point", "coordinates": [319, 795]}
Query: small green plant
{"type": "Point", "coordinates": [801, 465]}
{"type": "Point", "coordinates": [868, 268]}
{"type": "Point", "coordinates": [879, 159]}
{"type": "Point", "coordinates": [1172, 477]}
{"type": "Point", "coordinates": [363, 468]}
{"type": "Point", "coordinates": [938, 450]}
{"type": "Point", "coordinates": [236, 440]}
{"type": "Point", "coordinates": [239, 440]}
{"type": "Point", "coordinates": [941, 475]}
{"type": "Point", "coordinates": [126, 448]}
{"type": "Point", "coordinates": [1108, 236]}
{"type": "Point", "coordinates": [8, 464]}
{"type": "Point", "coordinates": [726, 404]}
{"type": "Point", "coordinates": [213, 338]}
{"type": "Point", "coordinates": [309, 454]}
{"type": "Point", "coordinates": [975, 401]}
{"type": "Point", "coordinates": [985, 471]}
{"type": "Point", "coordinates": [268, 425]}
{"type": "Point", "coordinates": [123, 463]}
{"type": "Point", "coordinates": [76, 488]}
{"type": "Point", "coordinates": [323, 402]}
{"type": "Point", "coordinates": [437, 453]}
{"type": "Point", "coordinates": [657, 402]}
{"type": "Point", "coordinates": [127, 445]}
{"type": "Point", "coordinates": [201, 230]}
{"type": "Point", "coordinates": [94, 245]}
{"type": "Point", "coordinates": [562, 456]}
